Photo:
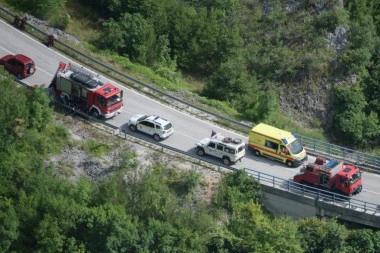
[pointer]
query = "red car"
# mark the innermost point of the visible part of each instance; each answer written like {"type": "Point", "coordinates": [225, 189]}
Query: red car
{"type": "Point", "coordinates": [19, 65]}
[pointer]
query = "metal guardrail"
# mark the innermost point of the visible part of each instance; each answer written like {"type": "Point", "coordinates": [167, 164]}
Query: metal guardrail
{"type": "Point", "coordinates": [312, 192]}
{"type": "Point", "coordinates": [365, 160]}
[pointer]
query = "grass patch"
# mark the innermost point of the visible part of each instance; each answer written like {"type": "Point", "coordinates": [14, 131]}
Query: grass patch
{"type": "Point", "coordinates": [97, 149]}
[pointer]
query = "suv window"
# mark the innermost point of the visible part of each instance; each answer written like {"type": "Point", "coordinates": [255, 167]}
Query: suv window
{"type": "Point", "coordinates": [211, 145]}
{"type": "Point", "coordinates": [147, 124]}
{"type": "Point", "coordinates": [158, 127]}
{"type": "Point", "coordinates": [220, 147]}
{"type": "Point", "coordinates": [168, 126]}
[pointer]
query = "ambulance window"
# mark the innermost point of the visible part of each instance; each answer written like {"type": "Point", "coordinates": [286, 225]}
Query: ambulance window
{"type": "Point", "coordinates": [211, 145]}
{"type": "Point", "coordinates": [271, 145]}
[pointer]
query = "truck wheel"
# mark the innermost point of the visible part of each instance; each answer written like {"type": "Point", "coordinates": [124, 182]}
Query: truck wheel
{"type": "Point", "coordinates": [200, 152]}
{"type": "Point", "coordinates": [19, 76]}
{"type": "Point", "coordinates": [226, 161]}
{"type": "Point", "coordinates": [256, 152]}
{"type": "Point", "coordinates": [289, 163]}
{"type": "Point", "coordinates": [94, 113]}
{"type": "Point", "coordinates": [132, 128]}
{"type": "Point", "coordinates": [156, 137]}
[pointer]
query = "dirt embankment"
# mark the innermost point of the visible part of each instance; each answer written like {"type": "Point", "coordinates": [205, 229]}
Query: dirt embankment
{"type": "Point", "coordinates": [74, 162]}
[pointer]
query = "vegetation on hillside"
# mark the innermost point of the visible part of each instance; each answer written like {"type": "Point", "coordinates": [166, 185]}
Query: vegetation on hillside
{"type": "Point", "coordinates": [248, 52]}
{"type": "Point", "coordinates": [135, 208]}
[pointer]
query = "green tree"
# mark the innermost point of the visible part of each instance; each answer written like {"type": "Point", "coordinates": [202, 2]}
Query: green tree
{"type": "Point", "coordinates": [132, 36]}
{"type": "Point", "coordinates": [48, 235]}
{"type": "Point", "coordinates": [362, 240]}
{"type": "Point", "coordinates": [237, 188]}
{"type": "Point", "coordinates": [351, 121]}
{"type": "Point", "coordinates": [228, 82]}
{"type": "Point", "coordinates": [321, 235]}
{"type": "Point", "coordinates": [109, 229]}
{"type": "Point", "coordinates": [9, 224]}
{"type": "Point", "coordinates": [256, 232]}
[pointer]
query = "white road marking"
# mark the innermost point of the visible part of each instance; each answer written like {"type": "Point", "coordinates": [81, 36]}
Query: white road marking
{"type": "Point", "coordinates": [378, 193]}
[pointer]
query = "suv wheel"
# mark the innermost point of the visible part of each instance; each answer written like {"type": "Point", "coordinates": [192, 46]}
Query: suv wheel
{"type": "Point", "coordinates": [132, 128]}
{"type": "Point", "coordinates": [31, 71]}
{"type": "Point", "coordinates": [19, 76]}
{"type": "Point", "coordinates": [226, 160]}
{"type": "Point", "coordinates": [156, 137]}
{"type": "Point", "coordinates": [200, 152]}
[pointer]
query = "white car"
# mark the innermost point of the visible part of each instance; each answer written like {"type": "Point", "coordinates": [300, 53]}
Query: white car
{"type": "Point", "coordinates": [227, 149]}
{"type": "Point", "coordinates": [153, 125]}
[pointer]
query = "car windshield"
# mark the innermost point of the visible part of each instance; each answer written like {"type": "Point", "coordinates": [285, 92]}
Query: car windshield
{"type": "Point", "coordinates": [295, 147]}
{"type": "Point", "coordinates": [114, 99]}
{"type": "Point", "coordinates": [168, 126]}
{"type": "Point", "coordinates": [142, 118]}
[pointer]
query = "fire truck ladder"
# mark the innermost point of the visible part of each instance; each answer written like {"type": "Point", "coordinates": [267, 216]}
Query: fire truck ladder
{"type": "Point", "coordinates": [81, 70]}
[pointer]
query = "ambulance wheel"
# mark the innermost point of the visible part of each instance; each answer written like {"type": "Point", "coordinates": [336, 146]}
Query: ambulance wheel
{"type": "Point", "coordinates": [94, 113]}
{"type": "Point", "coordinates": [226, 161]}
{"type": "Point", "coordinates": [289, 163]}
{"type": "Point", "coordinates": [200, 152]}
{"type": "Point", "coordinates": [256, 152]}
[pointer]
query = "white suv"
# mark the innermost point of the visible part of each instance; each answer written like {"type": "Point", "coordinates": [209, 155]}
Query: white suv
{"type": "Point", "coordinates": [153, 125]}
{"type": "Point", "coordinates": [228, 149]}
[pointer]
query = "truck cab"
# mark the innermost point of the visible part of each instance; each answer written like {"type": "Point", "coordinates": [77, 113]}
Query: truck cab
{"type": "Point", "coordinates": [349, 180]}
{"type": "Point", "coordinates": [332, 175]}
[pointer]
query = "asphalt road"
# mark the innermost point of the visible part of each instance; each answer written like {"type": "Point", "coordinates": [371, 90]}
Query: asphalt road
{"type": "Point", "coordinates": [188, 129]}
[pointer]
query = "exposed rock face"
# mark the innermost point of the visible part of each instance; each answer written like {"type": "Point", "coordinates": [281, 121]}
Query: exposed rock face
{"type": "Point", "coordinates": [309, 101]}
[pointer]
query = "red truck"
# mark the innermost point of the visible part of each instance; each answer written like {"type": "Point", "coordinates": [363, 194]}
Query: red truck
{"type": "Point", "coordinates": [82, 90]}
{"type": "Point", "coordinates": [332, 175]}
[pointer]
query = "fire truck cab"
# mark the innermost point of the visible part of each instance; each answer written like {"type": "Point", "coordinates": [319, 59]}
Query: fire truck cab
{"type": "Point", "coordinates": [81, 89]}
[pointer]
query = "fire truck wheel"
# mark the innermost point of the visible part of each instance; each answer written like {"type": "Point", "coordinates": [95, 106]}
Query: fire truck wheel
{"type": "Point", "coordinates": [289, 163]}
{"type": "Point", "coordinates": [132, 128]}
{"type": "Point", "coordinates": [94, 113]}
{"type": "Point", "coordinates": [156, 137]}
{"type": "Point", "coordinates": [200, 152]}
{"type": "Point", "coordinates": [226, 160]}
{"type": "Point", "coordinates": [256, 152]}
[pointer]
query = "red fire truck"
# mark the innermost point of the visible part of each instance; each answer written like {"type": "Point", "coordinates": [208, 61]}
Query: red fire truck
{"type": "Point", "coordinates": [332, 175]}
{"type": "Point", "coordinates": [82, 90]}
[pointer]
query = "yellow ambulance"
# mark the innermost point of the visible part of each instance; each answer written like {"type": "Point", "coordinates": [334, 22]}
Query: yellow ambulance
{"type": "Point", "coordinates": [276, 144]}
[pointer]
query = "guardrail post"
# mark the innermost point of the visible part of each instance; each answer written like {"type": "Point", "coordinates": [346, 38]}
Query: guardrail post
{"type": "Point", "coordinates": [274, 179]}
